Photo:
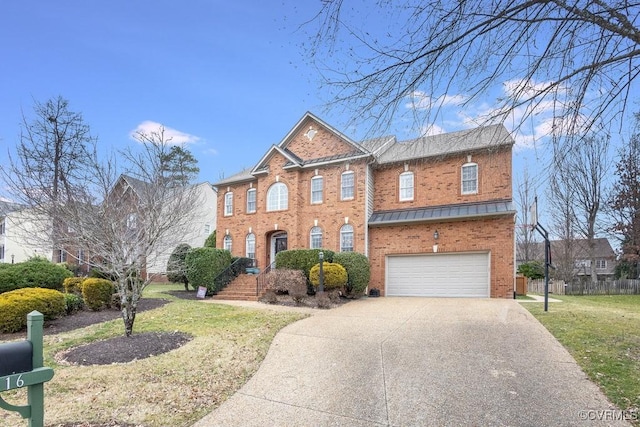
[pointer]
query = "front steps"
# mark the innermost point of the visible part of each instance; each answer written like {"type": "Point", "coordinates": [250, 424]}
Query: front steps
{"type": "Point", "coordinates": [243, 288]}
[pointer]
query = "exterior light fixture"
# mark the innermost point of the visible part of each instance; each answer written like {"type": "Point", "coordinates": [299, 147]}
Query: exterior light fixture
{"type": "Point", "coordinates": [435, 238]}
{"type": "Point", "coordinates": [435, 235]}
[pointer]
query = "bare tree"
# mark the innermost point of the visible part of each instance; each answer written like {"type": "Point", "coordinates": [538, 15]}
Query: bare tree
{"type": "Point", "coordinates": [526, 245]}
{"type": "Point", "coordinates": [561, 202]}
{"type": "Point", "coordinates": [579, 190]}
{"type": "Point", "coordinates": [579, 58]}
{"type": "Point", "coordinates": [121, 216]}
{"type": "Point", "coordinates": [625, 204]}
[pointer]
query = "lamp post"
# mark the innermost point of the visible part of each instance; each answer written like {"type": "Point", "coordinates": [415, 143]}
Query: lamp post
{"type": "Point", "coordinates": [12, 257]}
{"type": "Point", "coordinates": [321, 279]}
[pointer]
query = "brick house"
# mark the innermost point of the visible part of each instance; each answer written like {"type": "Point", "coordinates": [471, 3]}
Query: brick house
{"type": "Point", "coordinates": [434, 215]}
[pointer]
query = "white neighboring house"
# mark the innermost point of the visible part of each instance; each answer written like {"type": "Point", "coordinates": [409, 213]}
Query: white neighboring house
{"type": "Point", "coordinates": [201, 225]}
{"type": "Point", "coordinates": [21, 235]}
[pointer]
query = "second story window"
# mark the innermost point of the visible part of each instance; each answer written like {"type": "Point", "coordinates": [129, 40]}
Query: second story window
{"type": "Point", "coordinates": [226, 243]}
{"type": "Point", "coordinates": [470, 178]}
{"type": "Point", "coordinates": [277, 197]}
{"type": "Point", "coordinates": [228, 204]}
{"type": "Point", "coordinates": [2, 226]}
{"type": "Point", "coordinates": [251, 200]}
{"type": "Point", "coordinates": [406, 186]}
{"type": "Point", "coordinates": [347, 186]}
{"type": "Point", "coordinates": [317, 184]}
{"type": "Point", "coordinates": [316, 238]}
{"type": "Point", "coordinates": [601, 264]}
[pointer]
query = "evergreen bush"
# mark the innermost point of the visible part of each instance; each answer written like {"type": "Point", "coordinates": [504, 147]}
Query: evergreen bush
{"type": "Point", "coordinates": [36, 272]}
{"type": "Point", "coordinates": [16, 304]}
{"type": "Point", "coordinates": [96, 293]}
{"type": "Point", "coordinates": [335, 275]}
{"type": "Point", "coordinates": [358, 272]}
{"type": "Point", "coordinates": [204, 264]}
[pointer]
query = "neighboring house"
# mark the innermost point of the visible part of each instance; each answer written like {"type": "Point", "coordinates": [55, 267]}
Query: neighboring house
{"type": "Point", "coordinates": [199, 226]}
{"type": "Point", "coordinates": [434, 215]}
{"type": "Point", "coordinates": [21, 234]}
{"type": "Point", "coordinates": [576, 261]}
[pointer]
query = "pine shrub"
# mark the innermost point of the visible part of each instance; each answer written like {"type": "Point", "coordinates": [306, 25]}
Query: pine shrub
{"type": "Point", "coordinates": [73, 285]}
{"type": "Point", "coordinates": [97, 293]}
{"type": "Point", "coordinates": [16, 304]}
{"type": "Point", "coordinates": [335, 275]}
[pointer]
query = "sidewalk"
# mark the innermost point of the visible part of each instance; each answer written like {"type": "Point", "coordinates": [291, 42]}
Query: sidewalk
{"type": "Point", "coordinates": [537, 298]}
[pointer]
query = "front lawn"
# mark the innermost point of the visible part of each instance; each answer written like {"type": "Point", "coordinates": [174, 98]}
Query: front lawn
{"type": "Point", "coordinates": [172, 389]}
{"type": "Point", "coordinates": [603, 334]}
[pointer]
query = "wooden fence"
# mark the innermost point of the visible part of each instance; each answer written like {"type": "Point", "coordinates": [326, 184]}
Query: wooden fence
{"type": "Point", "coordinates": [585, 287]}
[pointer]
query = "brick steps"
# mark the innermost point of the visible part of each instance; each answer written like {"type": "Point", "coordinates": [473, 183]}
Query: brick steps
{"type": "Point", "coordinates": [243, 288]}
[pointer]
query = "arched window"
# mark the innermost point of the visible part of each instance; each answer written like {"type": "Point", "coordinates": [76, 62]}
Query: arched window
{"type": "Point", "coordinates": [277, 197]}
{"type": "Point", "coordinates": [227, 243]}
{"type": "Point", "coordinates": [346, 238]}
{"type": "Point", "coordinates": [316, 238]}
{"type": "Point", "coordinates": [470, 178]}
{"type": "Point", "coordinates": [406, 186]}
{"type": "Point", "coordinates": [251, 246]}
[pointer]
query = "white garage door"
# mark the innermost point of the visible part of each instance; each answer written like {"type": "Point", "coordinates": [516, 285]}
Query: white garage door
{"type": "Point", "coordinates": [438, 275]}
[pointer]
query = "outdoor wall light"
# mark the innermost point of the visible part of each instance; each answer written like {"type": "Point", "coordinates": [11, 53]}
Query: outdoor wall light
{"type": "Point", "coordinates": [435, 235]}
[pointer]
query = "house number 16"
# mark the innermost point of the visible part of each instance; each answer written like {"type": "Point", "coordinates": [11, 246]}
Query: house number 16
{"type": "Point", "coordinates": [19, 382]}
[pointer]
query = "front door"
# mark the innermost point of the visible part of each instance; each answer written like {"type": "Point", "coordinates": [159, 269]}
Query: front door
{"type": "Point", "coordinates": [278, 244]}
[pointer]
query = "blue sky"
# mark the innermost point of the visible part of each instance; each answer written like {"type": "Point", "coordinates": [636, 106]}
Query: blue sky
{"type": "Point", "coordinates": [227, 78]}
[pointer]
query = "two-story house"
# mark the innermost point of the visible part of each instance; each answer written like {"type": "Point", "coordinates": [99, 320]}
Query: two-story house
{"type": "Point", "coordinates": [433, 215]}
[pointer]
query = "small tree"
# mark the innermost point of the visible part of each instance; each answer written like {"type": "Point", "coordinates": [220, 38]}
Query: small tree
{"type": "Point", "coordinates": [532, 270]}
{"type": "Point", "coordinates": [211, 240]}
{"type": "Point", "coordinates": [177, 267]}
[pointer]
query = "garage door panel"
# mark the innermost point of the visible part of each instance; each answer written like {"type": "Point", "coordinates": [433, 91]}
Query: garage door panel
{"type": "Point", "coordinates": [438, 275]}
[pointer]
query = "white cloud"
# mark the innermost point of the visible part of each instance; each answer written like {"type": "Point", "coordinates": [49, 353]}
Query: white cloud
{"type": "Point", "coordinates": [173, 136]}
{"type": "Point", "coordinates": [419, 100]}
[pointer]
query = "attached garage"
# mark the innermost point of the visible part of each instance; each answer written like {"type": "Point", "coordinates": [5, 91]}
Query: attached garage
{"type": "Point", "coordinates": [438, 275]}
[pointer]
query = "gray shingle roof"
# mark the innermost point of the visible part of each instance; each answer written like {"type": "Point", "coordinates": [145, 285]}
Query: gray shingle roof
{"type": "Point", "coordinates": [487, 137]}
{"type": "Point", "coordinates": [440, 213]}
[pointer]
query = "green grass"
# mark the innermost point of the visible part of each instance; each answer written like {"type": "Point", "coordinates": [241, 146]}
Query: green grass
{"type": "Point", "coordinates": [176, 388]}
{"type": "Point", "coordinates": [603, 335]}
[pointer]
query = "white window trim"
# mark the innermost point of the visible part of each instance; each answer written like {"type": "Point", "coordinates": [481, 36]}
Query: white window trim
{"type": "Point", "coordinates": [342, 187]}
{"type": "Point", "coordinates": [255, 200]}
{"type": "Point", "coordinates": [228, 203]}
{"type": "Point", "coordinates": [403, 175]}
{"type": "Point", "coordinates": [321, 190]}
{"type": "Point", "coordinates": [227, 243]}
{"type": "Point", "coordinates": [317, 233]}
{"type": "Point", "coordinates": [462, 180]}
{"type": "Point", "coordinates": [279, 200]}
{"type": "Point", "coordinates": [343, 232]}
{"type": "Point", "coordinates": [250, 239]}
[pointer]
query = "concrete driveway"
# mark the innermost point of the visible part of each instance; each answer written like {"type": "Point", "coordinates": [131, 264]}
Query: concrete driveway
{"type": "Point", "coordinates": [417, 362]}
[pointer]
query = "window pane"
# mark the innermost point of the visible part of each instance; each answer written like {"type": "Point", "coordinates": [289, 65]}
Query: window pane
{"type": "Point", "coordinates": [251, 201]}
{"type": "Point", "coordinates": [406, 186]}
{"type": "Point", "coordinates": [347, 189]}
{"type": "Point", "coordinates": [346, 238]}
{"type": "Point", "coordinates": [277, 197]}
{"type": "Point", "coordinates": [470, 179]}
{"type": "Point", "coordinates": [227, 243]}
{"type": "Point", "coordinates": [251, 246]}
{"type": "Point", "coordinates": [228, 203]}
{"type": "Point", "coordinates": [316, 189]}
{"type": "Point", "coordinates": [316, 238]}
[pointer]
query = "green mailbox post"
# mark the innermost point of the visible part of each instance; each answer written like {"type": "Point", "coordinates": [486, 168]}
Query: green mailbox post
{"type": "Point", "coordinates": [21, 366]}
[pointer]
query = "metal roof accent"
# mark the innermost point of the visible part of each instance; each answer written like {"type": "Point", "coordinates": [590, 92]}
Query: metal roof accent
{"type": "Point", "coordinates": [441, 213]}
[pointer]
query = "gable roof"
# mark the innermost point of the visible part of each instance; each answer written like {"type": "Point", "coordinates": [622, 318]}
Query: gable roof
{"type": "Point", "coordinates": [7, 207]}
{"type": "Point", "coordinates": [486, 137]}
{"type": "Point", "coordinates": [308, 115]}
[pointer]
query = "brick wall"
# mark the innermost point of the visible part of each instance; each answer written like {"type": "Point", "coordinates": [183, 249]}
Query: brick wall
{"type": "Point", "coordinates": [492, 234]}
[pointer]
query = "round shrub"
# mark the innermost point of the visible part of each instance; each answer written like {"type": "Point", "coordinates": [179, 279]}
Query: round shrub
{"type": "Point", "coordinates": [358, 271]}
{"type": "Point", "coordinates": [177, 267]}
{"type": "Point", "coordinates": [97, 293]}
{"type": "Point", "coordinates": [335, 275]}
{"type": "Point", "coordinates": [73, 285]}
{"type": "Point", "coordinates": [36, 272]}
{"type": "Point", "coordinates": [73, 302]}
{"type": "Point", "coordinates": [302, 259]}
{"type": "Point", "coordinates": [16, 304]}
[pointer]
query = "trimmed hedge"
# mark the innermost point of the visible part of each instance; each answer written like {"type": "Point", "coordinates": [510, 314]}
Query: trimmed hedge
{"type": "Point", "coordinates": [16, 304]}
{"type": "Point", "coordinates": [96, 293]}
{"type": "Point", "coordinates": [302, 259]}
{"type": "Point", "coordinates": [335, 275]}
{"type": "Point", "coordinates": [37, 272]}
{"type": "Point", "coordinates": [204, 264]}
{"type": "Point", "coordinates": [358, 271]}
{"type": "Point", "coordinates": [73, 285]}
